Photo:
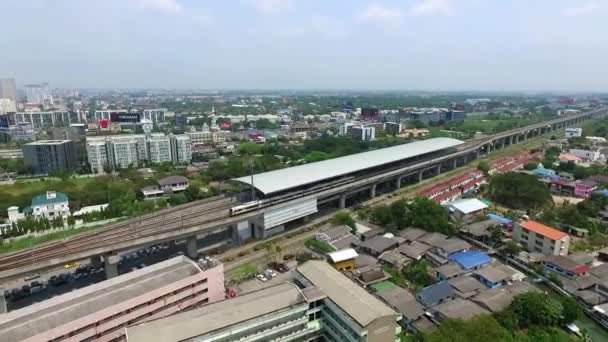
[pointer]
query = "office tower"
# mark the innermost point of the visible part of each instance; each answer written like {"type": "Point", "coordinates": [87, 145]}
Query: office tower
{"type": "Point", "coordinates": [48, 156]}
{"type": "Point", "coordinates": [8, 89]}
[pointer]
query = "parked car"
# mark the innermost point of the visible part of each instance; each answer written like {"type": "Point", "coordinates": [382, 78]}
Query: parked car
{"type": "Point", "coordinates": [262, 277]}
{"type": "Point", "coordinates": [32, 277]}
{"type": "Point", "coordinates": [270, 273]}
{"type": "Point", "coordinates": [70, 265]}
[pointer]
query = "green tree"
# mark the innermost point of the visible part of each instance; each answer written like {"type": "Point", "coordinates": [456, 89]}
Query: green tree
{"type": "Point", "coordinates": [519, 191]}
{"type": "Point", "coordinates": [343, 217]}
{"type": "Point", "coordinates": [511, 248]}
{"type": "Point", "coordinates": [483, 166]}
{"type": "Point", "coordinates": [571, 310]}
{"type": "Point", "coordinates": [536, 309]}
{"type": "Point", "coordinates": [531, 166]}
{"type": "Point", "coordinates": [192, 193]}
{"type": "Point", "coordinates": [418, 273]}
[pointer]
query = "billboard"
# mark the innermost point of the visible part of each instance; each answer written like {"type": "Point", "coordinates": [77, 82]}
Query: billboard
{"type": "Point", "coordinates": [369, 113]}
{"type": "Point", "coordinates": [104, 123]}
{"type": "Point", "coordinates": [125, 117]}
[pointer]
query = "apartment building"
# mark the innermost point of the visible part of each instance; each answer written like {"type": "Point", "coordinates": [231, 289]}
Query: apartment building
{"type": "Point", "coordinates": [40, 120]}
{"type": "Point", "coordinates": [154, 115]}
{"type": "Point", "coordinates": [321, 305]}
{"type": "Point", "coordinates": [48, 156]}
{"type": "Point", "coordinates": [159, 148]}
{"type": "Point", "coordinates": [122, 151]}
{"type": "Point", "coordinates": [181, 149]}
{"type": "Point", "coordinates": [536, 237]}
{"type": "Point", "coordinates": [102, 311]}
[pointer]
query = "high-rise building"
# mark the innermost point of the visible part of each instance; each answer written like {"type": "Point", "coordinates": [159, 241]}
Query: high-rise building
{"type": "Point", "coordinates": [48, 156]}
{"type": "Point", "coordinates": [22, 132]}
{"type": "Point", "coordinates": [154, 115]}
{"type": "Point", "coordinates": [159, 148]}
{"type": "Point", "coordinates": [38, 94]}
{"type": "Point", "coordinates": [8, 89]}
{"type": "Point", "coordinates": [97, 154]}
{"type": "Point", "coordinates": [181, 149]}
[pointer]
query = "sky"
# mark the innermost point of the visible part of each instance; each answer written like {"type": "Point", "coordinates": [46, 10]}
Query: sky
{"type": "Point", "coordinates": [452, 45]}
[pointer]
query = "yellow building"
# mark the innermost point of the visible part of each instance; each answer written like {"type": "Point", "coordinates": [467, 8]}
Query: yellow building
{"type": "Point", "coordinates": [343, 260]}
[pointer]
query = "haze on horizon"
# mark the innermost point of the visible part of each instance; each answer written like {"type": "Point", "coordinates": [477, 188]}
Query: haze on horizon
{"type": "Point", "coordinates": [487, 45]}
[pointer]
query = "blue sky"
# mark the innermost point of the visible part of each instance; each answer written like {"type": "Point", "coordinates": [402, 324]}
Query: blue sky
{"type": "Point", "coordinates": [333, 44]}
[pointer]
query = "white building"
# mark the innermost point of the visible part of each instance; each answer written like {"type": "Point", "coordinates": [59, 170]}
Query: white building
{"type": "Point", "coordinates": [154, 115]}
{"type": "Point", "coordinates": [97, 154]}
{"type": "Point", "coordinates": [572, 132]}
{"type": "Point", "coordinates": [22, 132]}
{"type": "Point", "coordinates": [159, 148]}
{"type": "Point", "coordinates": [105, 114]}
{"type": "Point", "coordinates": [50, 205]}
{"type": "Point", "coordinates": [536, 237]}
{"type": "Point", "coordinates": [596, 140]}
{"type": "Point", "coordinates": [123, 151]}
{"type": "Point", "coordinates": [38, 94]}
{"type": "Point", "coordinates": [7, 106]}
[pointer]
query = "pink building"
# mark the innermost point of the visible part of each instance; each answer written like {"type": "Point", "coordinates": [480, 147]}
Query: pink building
{"type": "Point", "coordinates": [102, 311]}
{"type": "Point", "coordinates": [584, 189]}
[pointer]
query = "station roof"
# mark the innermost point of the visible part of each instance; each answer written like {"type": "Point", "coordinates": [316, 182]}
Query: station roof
{"type": "Point", "coordinates": [288, 178]}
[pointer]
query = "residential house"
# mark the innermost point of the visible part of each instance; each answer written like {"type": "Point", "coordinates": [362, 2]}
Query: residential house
{"type": "Point", "coordinates": [586, 155]}
{"type": "Point", "coordinates": [541, 172]}
{"type": "Point", "coordinates": [343, 260]}
{"type": "Point", "coordinates": [458, 309]}
{"type": "Point", "coordinates": [537, 237]}
{"type": "Point", "coordinates": [566, 157]}
{"type": "Point", "coordinates": [377, 245]}
{"type": "Point", "coordinates": [394, 259]}
{"type": "Point", "coordinates": [466, 209]}
{"type": "Point", "coordinates": [405, 303]}
{"type": "Point", "coordinates": [411, 234]}
{"type": "Point", "coordinates": [497, 299]}
{"type": "Point", "coordinates": [447, 247]}
{"type": "Point", "coordinates": [479, 230]}
{"type": "Point", "coordinates": [565, 266]}
{"type": "Point", "coordinates": [584, 189]}
{"type": "Point", "coordinates": [166, 187]}
{"type": "Point", "coordinates": [470, 261]}
{"type": "Point", "coordinates": [366, 230]}
{"type": "Point", "coordinates": [432, 239]}
{"type": "Point", "coordinates": [448, 271]}
{"type": "Point", "coordinates": [491, 277]}
{"type": "Point", "coordinates": [466, 286]}
{"type": "Point", "coordinates": [435, 294]}
{"type": "Point", "coordinates": [50, 205]}
{"type": "Point", "coordinates": [415, 250]}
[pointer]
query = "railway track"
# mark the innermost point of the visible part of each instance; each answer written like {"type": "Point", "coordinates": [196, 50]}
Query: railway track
{"type": "Point", "coordinates": [156, 224]}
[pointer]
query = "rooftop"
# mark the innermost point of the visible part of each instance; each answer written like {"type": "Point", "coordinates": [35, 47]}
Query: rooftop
{"type": "Point", "coordinates": [459, 308]}
{"type": "Point", "coordinates": [378, 243]}
{"type": "Point", "coordinates": [343, 255]}
{"type": "Point", "coordinates": [48, 142]}
{"type": "Point", "coordinates": [470, 259]}
{"type": "Point", "coordinates": [432, 239]}
{"type": "Point", "coordinates": [172, 180]}
{"type": "Point", "coordinates": [49, 198]}
{"type": "Point", "coordinates": [435, 293]}
{"type": "Point", "coordinates": [58, 311]}
{"type": "Point", "coordinates": [449, 270]}
{"type": "Point", "coordinates": [213, 317]}
{"type": "Point", "coordinates": [285, 179]}
{"type": "Point", "coordinates": [453, 245]}
{"type": "Point", "coordinates": [492, 274]}
{"type": "Point", "coordinates": [415, 250]}
{"type": "Point", "coordinates": [543, 230]}
{"type": "Point", "coordinates": [468, 205]}
{"type": "Point", "coordinates": [466, 284]}
{"type": "Point", "coordinates": [411, 234]}
{"type": "Point", "coordinates": [360, 305]}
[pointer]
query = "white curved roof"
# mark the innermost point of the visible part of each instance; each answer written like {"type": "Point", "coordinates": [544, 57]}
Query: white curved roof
{"type": "Point", "coordinates": [288, 178]}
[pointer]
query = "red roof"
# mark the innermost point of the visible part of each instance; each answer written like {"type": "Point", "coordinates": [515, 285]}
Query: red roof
{"type": "Point", "coordinates": [543, 230]}
{"type": "Point", "coordinates": [581, 269]}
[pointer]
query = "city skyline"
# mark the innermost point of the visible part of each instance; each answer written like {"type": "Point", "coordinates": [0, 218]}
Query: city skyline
{"type": "Point", "coordinates": [435, 45]}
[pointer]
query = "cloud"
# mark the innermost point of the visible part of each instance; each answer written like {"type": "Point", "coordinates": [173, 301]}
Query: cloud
{"type": "Point", "coordinates": [432, 7]}
{"type": "Point", "coordinates": [375, 12]}
{"type": "Point", "coordinates": [583, 9]}
{"type": "Point", "coordinates": [271, 6]}
{"type": "Point", "coordinates": [164, 6]}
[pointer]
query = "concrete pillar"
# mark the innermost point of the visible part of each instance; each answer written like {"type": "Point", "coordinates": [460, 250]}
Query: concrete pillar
{"type": "Point", "coordinates": [513, 140]}
{"type": "Point", "coordinates": [3, 308]}
{"type": "Point", "coordinates": [478, 153]}
{"type": "Point", "coordinates": [372, 191]}
{"type": "Point", "coordinates": [502, 145]}
{"type": "Point", "coordinates": [455, 163]}
{"type": "Point", "coordinates": [306, 218]}
{"type": "Point", "coordinates": [191, 247]}
{"type": "Point", "coordinates": [439, 168]}
{"type": "Point", "coordinates": [398, 182]}
{"type": "Point", "coordinates": [96, 261]}
{"type": "Point", "coordinates": [525, 136]}
{"type": "Point", "coordinates": [342, 201]}
{"type": "Point", "coordinates": [110, 264]}
{"type": "Point", "coordinates": [420, 175]}
{"type": "Point", "coordinates": [234, 232]}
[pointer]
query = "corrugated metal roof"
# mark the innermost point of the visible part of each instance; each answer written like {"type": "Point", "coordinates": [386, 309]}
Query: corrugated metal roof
{"type": "Point", "coordinates": [343, 255]}
{"type": "Point", "coordinates": [284, 179]}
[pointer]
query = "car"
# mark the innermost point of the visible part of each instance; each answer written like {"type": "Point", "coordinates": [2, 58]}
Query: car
{"type": "Point", "coordinates": [80, 275]}
{"type": "Point", "coordinates": [96, 270]}
{"type": "Point", "coordinates": [32, 277]}
{"type": "Point", "coordinates": [35, 283]}
{"type": "Point", "coordinates": [282, 268]}
{"type": "Point", "coordinates": [262, 277]}
{"type": "Point", "coordinates": [70, 265]}
{"type": "Point", "coordinates": [270, 273]}
{"type": "Point", "coordinates": [36, 289]}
